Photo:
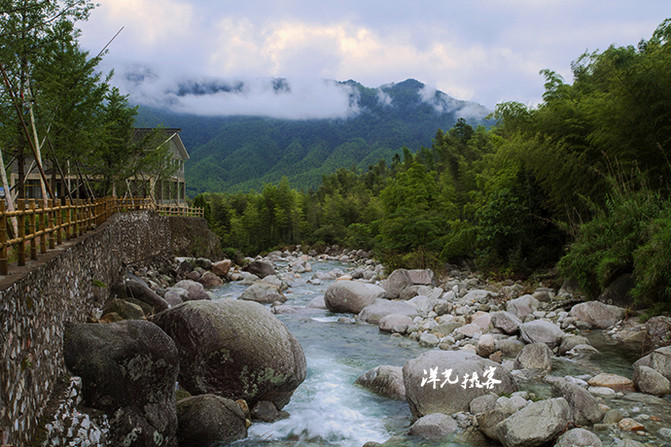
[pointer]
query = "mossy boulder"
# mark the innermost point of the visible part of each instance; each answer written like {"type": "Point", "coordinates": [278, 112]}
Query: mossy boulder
{"type": "Point", "coordinates": [235, 349]}
{"type": "Point", "coordinates": [128, 370]}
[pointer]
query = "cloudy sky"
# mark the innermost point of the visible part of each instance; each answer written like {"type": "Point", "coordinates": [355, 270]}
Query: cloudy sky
{"type": "Point", "coordinates": [486, 51]}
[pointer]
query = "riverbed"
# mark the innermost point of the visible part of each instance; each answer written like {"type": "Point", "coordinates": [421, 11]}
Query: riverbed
{"type": "Point", "coordinates": [329, 410]}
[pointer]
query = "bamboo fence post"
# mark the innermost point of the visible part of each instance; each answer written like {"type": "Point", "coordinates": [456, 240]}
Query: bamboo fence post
{"type": "Point", "coordinates": [43, 227]}
{"type": "Point", "coordinates": [52, 228]}
{"type": "Point", "coordinates": [68, 220]}
{"type": "Point", "coordinates": [82, 216]}
{"type": "Point", "coordinates": [3, 240]}
{"type": "Point", "coordinates": [59, 221]}
{"type": "Point", "coordinates": [21, 248]}
{"type": "Point", "coordinates": [32, 226]}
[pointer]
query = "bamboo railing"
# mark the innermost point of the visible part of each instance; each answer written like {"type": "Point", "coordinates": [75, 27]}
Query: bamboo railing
{"type": "Point", "coordinates": [46, 223]}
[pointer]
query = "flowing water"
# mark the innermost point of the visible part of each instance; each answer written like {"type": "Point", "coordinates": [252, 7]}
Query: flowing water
{"type": "Point", "coordinates": [329, 410]}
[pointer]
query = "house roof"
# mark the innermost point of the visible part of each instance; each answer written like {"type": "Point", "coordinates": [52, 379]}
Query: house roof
{"type": "Point", "coordinates": [171, 133]}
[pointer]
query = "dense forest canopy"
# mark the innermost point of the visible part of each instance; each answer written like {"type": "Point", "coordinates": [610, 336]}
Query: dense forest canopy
{"type": "Point", "coordinates": [581, 180]}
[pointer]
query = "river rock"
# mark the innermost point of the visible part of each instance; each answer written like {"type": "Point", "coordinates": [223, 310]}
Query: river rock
{"type": "Point", "coordinates": [395, 323]}
{"type": "Point", "coordinates": [659, 360]}
{"type": "Point", "coordinates": [209, 280]}
{"type": "Point", "coordinates": [570, 341]}
{"type": "Point", "coordinates": [422, 277]}
{"type": "Point", "coordinates": [425, 396]}
{"type": "Point", "coordinates": [658, 333]}
{"type": "Point", "coordinates": [263, 292]}
{"type": "Point", "coordinates": [221, 268]}
{"type": "Point", "coordinates": [542, 331]}
{"type": "Point", "coordinates": [612, 381]}
{"type": "Point", "coordinates": [506, 321]}
{"type": "Point", "coordinates": [534, 425]}
{"type": "Point", "coordinates": [265, 411]}
{"type": "Point", "coordinates": [585, 409]}
{"type": "Point", "coordinates": [384, 380]}
{"type": "Point", "coordinates": [176, 295]}
{"type": "Point", "coordinates": [509, 347]}
{"type": "Point", "coordinates": [578, 437]}
{"type": "Point", "coordinates": [534, 356]}
{"type": "Point", "coordinates": [138, 289]}
{"type": "Point", "coordinates": [649, 381]}
{"type": "Point", "coordinates": [351, 296]}
{"type": "Point", "coordinates": [207, 418]}
{"type": "Point", "coordinates": [434, 427]}
{"type": "Point", "coordinates": [486, 345]}
{"type": "Point", "coordinates": [317, 303]}
{"type": "Point", "coordinates": [522, 306]}
{"type": "Point", "coordinates": [395, 283]}
{"type": "Point", "coordinates": [260, 268]}
{"type": "Point", "coordinates": [195, 290]}
{"type": "Point", "coordinates": [128, 370]}
{"type": "Point", "coordinates": [381, 308]}
{"type": "Point", "coordinates": [236, 349]}
{"type": "Point", "coordinates": [126, 310]}
{"type": "Point", "coordinates": [597, 314]}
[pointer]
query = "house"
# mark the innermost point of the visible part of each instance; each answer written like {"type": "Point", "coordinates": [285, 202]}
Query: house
{"type": "Point", "coordinates": [75, 179]}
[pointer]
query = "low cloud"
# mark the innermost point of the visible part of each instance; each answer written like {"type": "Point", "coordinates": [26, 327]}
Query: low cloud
{"type": "Point", "coordinates": [297, 98]}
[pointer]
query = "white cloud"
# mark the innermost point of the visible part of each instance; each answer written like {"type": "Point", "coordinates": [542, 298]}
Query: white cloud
{"type": "Point", "coordinates": [298, 98]}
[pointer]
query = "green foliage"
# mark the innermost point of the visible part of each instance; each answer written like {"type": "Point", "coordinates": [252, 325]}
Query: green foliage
{"type": "Point", "coordinates": [605, 246]}
{"type": "Point", "coordinates": [652, 264]}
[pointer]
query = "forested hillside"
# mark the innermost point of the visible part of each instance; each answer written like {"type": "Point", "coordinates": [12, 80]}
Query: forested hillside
{"type": "Point", "coordinates": [239, 153]}
{"type": "Point", "coordinates": [581, 180]}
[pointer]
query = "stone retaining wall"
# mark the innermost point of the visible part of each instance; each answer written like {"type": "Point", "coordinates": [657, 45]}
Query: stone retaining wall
{"type": "Point", "coordinates": [67, 286]}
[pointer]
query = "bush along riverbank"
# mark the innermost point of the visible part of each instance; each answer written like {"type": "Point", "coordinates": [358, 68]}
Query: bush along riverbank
{"type": "Point", "coordinates": [501, 363]}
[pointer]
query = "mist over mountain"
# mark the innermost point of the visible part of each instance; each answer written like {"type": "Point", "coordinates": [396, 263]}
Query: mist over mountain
{"type": "Point", "coordinates": [246, 132]}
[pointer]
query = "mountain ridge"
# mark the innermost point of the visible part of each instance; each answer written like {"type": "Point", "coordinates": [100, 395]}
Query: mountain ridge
{"type": "Point", "coordinates": [242, 152]}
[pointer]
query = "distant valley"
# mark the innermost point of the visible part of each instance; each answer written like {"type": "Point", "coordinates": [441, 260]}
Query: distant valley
{"type": "Point", "coordinates": [238, 153]}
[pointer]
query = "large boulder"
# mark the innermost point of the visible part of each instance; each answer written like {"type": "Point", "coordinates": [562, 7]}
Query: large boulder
{"type": "Point", "coordinates": [208, 418]}
{"type": "Point", "coordinates": [260, 268]}
{"type": "Point", "coordinates": [263, 292]}
{"type": "Point", "coordinates": [235, 349]}
{"type": "Point", "coordinates": [649, 381]}
{"type": "Point", "coordinates": [542, 331]}
{"type": "Point", "coordinates": [195, 290]}
{"type": "Point", "coordinates": [585, 409]}
{"type": "Point", "coordinates": [351, 296]}
{"type": "Point", "coordinates": [395, 283]}
{"type": "Point", "coordinates": [536, 424]}
{"type": "Point", "coordinates": [447, 381]}
{"type": "Point", "coordinates": [659, 360]}
{"type": "Point", "coordinates": [597, 314]}
{"type": "Point", "coordinates": [534, 356]}
{"type": "Point", "coordinates": [373, 313]}
{"type": "Point", "coordinates": [128, 370]}
{"type": "Point", "coordinates": [384, 380]}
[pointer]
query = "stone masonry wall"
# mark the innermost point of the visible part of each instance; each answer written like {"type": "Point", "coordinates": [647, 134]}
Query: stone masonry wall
{"type": "Point", "coordinates": [68, 286]}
